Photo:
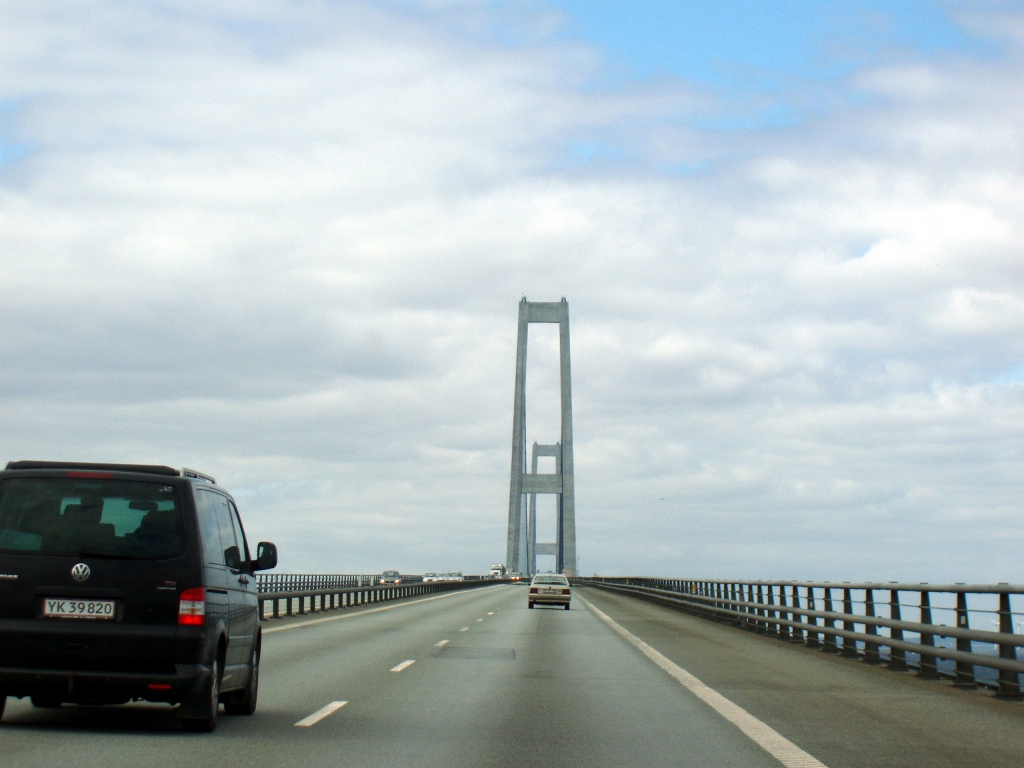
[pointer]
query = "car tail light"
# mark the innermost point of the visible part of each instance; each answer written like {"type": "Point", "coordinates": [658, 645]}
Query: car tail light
{"type": "Point", "coordinates": [159, 686]}
{"type": "Point", "coordinates": [533, 590]}
{"type": "Point", "coordinates": [565, 591]}
{"type": "Point", "coordinates": [192, 608]}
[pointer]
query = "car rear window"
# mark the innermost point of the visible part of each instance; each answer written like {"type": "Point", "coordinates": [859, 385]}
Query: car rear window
{"type": "Point", "coordinates": [69, 516]}
{"type": "Point", "coordinates": [551, 580]}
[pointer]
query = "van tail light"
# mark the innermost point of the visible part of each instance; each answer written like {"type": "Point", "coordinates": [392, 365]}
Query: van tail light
{"type": "Point", "coordinates": [159, 686]}
{"type": "Point", "coordinates": [192, 608]}
{"type": "Point", "coordinates": [565, 591]}
{"type": "Point", "coordinates": [533, 590]}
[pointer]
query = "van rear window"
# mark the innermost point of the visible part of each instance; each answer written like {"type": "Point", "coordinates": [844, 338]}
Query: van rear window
{"type": "Point", "coordinates": [112, 518]}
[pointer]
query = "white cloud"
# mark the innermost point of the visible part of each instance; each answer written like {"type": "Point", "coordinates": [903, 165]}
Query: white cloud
{"type": "Point", "coordinates": [284, 244]}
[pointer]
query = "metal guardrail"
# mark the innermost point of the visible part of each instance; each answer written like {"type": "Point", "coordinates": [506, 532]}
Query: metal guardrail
{"type": "Point", "coordinates": [790, 610]}
{"type": "Point", "coordinates": [305, 599]}
{"type": "Point", "coordinates": [296, 582]}
{"type": "Point", "coordinates": [282, 582]}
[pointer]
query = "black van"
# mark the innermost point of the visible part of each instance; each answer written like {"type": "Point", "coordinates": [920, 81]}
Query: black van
{"type": "Point", "coordinates": [127, 582]}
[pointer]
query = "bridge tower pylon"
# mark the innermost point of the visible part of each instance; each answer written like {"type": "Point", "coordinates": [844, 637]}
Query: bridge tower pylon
{"type": "Point", "coordinates": [532, 547]}
{"type": "Point", "coordinates": [524, 486]}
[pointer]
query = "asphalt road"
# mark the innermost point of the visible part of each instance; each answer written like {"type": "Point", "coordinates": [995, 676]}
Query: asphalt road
{"type": "Point", "coordinates": [475, 679]}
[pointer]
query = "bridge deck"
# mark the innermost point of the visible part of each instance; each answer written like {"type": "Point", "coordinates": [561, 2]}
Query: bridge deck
{"type": "Point", "coordinates": [514, 687]}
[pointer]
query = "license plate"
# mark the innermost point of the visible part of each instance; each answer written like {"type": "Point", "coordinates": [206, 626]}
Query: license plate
{"type": "Point", "coordinates": [78, 609]}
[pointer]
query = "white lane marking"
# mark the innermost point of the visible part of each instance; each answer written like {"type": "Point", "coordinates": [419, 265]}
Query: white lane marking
{"type": "Point", "coordinates": [766, 737]}
{"type": "Point", "coordinates": [403, 665]}
{"type": "Point", "coordinates": [490, 613]}
{"type": "Point", "coordinates": [479, 620]}
{"type": "Point", "coordinates": [320, 714]}
{"type": "Point", "coordinates": [372, 610]}
{"type": "Point", "coordinates": [442, 644]}
{"type": "Point", "coordinates": [463, 629]}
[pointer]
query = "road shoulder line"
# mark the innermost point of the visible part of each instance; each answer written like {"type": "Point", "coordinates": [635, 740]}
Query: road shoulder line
{"type": "Point", "coordinates": [766, 737]}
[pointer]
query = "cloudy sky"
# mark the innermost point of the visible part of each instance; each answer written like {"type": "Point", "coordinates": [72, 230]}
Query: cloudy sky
{"type": "Point", "coordinates": [283, 242]}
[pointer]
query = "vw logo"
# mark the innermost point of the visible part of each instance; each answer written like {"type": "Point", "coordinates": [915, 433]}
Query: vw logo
{"type": "Point", "coordinates": [80, 572]}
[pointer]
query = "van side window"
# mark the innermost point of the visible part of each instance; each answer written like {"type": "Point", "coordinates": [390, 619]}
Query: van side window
{"type": "Point", "coordinates": [209, 526]}
{"type": "Point", "coordinates": [232, 552]}
{"type": "Point", "coordinates": [240, 534]}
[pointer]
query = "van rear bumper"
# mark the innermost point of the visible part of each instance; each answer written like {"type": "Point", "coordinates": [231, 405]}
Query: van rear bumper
{"type": "Point", "coordinates": [82, 646]}
{"type": "Point", "coordinates": [188, 680]}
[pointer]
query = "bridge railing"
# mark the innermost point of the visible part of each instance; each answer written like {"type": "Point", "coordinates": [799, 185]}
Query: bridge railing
{"type": "Point", "coordinates": [292, 594]}
{"type": "Point", "coordinates": [861, 619]}
{"type": "Point", "coordinates": [285, 582]}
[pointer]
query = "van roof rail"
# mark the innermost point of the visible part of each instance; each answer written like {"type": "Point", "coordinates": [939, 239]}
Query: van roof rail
{"type": "Point", "coordinates": [197, 475]}
{"type": "Point", "coordinates": [149, 469]}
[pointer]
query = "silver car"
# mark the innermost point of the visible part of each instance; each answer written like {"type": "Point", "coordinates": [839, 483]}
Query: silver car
{"type": "Point", "coordinates": [549, 589]}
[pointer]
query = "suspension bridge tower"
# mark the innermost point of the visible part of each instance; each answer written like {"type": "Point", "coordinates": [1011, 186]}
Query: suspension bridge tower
{"type": "Point", "coordinates": [523, 547]}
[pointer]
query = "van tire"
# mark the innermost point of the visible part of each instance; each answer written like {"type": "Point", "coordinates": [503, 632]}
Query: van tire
{"type": "Point", "coordinates": [43, 701]}
{"type": "Point", "coordinates": [200, 714]}
{"type": "Point", "coordinates": [243, 702]}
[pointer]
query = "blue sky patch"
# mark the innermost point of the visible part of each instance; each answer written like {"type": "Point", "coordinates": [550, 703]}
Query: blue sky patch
{"type": "Point", "coordinates": [754, 44]}
{"type": "Point", "coordinates": [589, 152]}
{"type": "Point", "coordinates": [768, 64]}
{"type": "Point", "coordinates": [9, 150]}
{"type": "Point", "coordinates": [1012, 376]}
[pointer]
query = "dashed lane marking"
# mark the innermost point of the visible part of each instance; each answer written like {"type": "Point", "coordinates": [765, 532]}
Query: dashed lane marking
{"type": "Point", "coordinates": [404, 665]}
{"type": "Point", "coordinates": [441, 644]}
{"type": "Point", "coordinates": [479, 620]}
{"type": "Point", "coordinates": [490, 613]}
{"type": "Point", "coordinates": [463, 629]}
{"type": "Point", "coordinates": [320, 714]}
{"type": "Point", "coordinates": [766, 737]}
{"type": "Point", "coordinates": [371, 610]}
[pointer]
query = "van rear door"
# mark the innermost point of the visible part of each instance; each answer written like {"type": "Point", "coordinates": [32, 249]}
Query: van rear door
{"type": "Point", "coordinates": [96, 563]}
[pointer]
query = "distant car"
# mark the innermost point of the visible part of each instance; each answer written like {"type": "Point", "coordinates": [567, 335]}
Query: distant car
{"type": "Point", "coordinates": [455, 576]}
{"type": "Point", "coordinates": [430, 577]}
{"type": "Point", "coordinates": [549, 590]}
{"type": "Point", "coordinates": [390, 577]}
